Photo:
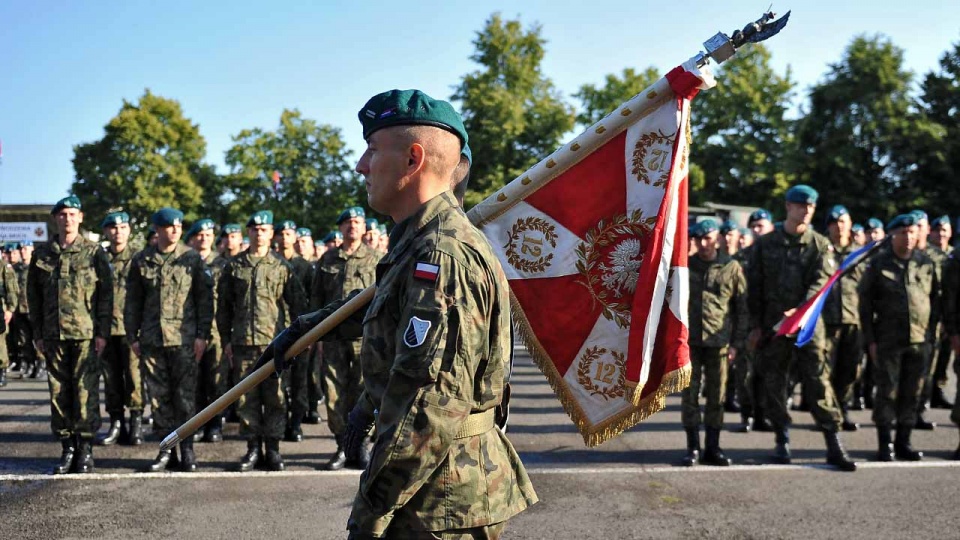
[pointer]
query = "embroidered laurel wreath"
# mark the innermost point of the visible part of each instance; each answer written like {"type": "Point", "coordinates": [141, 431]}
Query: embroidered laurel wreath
{"type": "Point", "coordinates": [604, 373]}
{"type": "Point", "coordinates": [530, 224]}
{"type": "Point", "coordinates": [657, 162]}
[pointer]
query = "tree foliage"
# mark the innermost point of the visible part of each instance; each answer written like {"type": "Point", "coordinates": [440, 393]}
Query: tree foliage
{"type": "Point", "coordinates": [513, 113]}
{"type": "Point", "coordinates": [598, 101]}
{"type": "Point", "coordinates": [937, 148]}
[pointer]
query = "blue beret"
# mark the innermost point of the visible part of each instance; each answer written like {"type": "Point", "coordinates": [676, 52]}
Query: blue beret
{"type": "Point", "coordinates": [874, 223]}
{"type": "Point", "coordinates": [318, 243]}
{"type": "Point", "coordinates": [919, 215]}
{"type": "Point", "coordinates": [410, 107]}
{"type": "Point", "coordinates": [383, 228]}
{"type": "Point", "coordinates": [903, 220]}
{"type": "Point", "coordinates": [837, 212]}
{"type": "Point", "coordinates": [200, 225]}
{"type": "Point", "coordinates": [350, 213]}
{"type": "Point", "coordinates": [759, 215]}
{"type": "Point", "coordinates": [115, 218]}
{"type": "Point", "coordinates": [11, 246]}
{"type": "Point", "coordinates": [261, 217]}
{"type": "Point", "coordinates": [303, 231]}
{"type": "Point", "coordinates": [729, 225]}
{"type": "Point", "coordinates": [331, 236]}
{"type": "Point", "coordinates": [26, 243]}
{"type": "Point", "coordinates": [803, 194]}
{"type": "Point", "coordinates": [165, 217]}
{"type": "Point", "coordinates": [372, 224]}
{"type": "Point", "coordinates": [856, 228]}
{"type": "Point", "coordinates": [246, 239]}
{"type": "Point", "coordinates": [230, 228]}
{"type": "Point", "coordinates": [286, 224]}
{"type": "Point", "coordinates": [67, 202]}
{"type": "Point", "coordinates": [745, 232]}
{"type": "Point", "coordinates": [942, 220]}
{"type": "Point", "coordinates": [704, 228]}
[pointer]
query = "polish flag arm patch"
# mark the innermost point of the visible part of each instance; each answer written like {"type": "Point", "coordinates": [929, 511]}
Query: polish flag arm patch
{"type": "Point", "coordinates": [426, 272]}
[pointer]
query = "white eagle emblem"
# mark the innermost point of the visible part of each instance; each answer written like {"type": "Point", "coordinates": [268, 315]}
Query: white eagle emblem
{"type": "Point", "coordinates": [624, 269]}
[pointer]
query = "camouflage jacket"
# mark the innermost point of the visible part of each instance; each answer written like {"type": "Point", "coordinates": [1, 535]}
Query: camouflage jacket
{"type": "Point", "coordinates": [338, 273]}
{"type": "Point", "coordinates": [70, 291]}
{"type": "Point", "coordinates": [843, 303]}
{"type": "Point", "coordinates": [743, 257]}
{"type": "Point", "coordinates": [951, 294]}
{"type": "Point", "coordinates": [436, 344]}
{"type": "Point", "coordinates": [718, 302]}
{"type": "Point", "coordinates": [303, 270]}
{"type": "Point", "coordinates": [169, 298]}
{"type": "Point", "coordinates": [939, 258]}
{"type": "Point", "coordinates": [9, 292]}
{"type": "Point", "coordinates": [784, 271]}
{"type": "Point", "coordinates": [22, 269]}
{"type": "Point", "coordinates": [255, 297]}
{"type": "Point", "coordinates": [899, 299]}
{"type": "Point", "coordinates": [120, 264]}
{"type": "Point", "coordinates": [216, 263]}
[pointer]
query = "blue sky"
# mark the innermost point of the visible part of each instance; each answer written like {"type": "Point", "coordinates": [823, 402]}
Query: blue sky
{"type": "Point", "coordinates": [66, 67]}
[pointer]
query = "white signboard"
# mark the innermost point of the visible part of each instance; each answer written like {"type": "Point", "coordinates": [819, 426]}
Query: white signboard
{"type": "Point", "coordinates": [19, 231]}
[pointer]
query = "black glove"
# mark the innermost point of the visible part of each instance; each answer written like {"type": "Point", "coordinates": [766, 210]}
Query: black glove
{"type": "Point", "coordinates": [359, 424]}
{"type": "Point", "coordinates": [278, 348]}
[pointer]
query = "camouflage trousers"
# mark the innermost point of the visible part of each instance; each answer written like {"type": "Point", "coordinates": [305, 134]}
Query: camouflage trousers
{"type": "Point", "coordinates": [939, 362]}
{"type": "Point", "coordinates": [342, 380]}
{"type": "Point", "coordinates": [709, 375]}
{"type": "Point", "coordinates": [778, 356]}
{"type": "Point", "coordinates": [263, 410]}
{"type": "Point", "coordinates": [22, 336]}
{"type": "Point", "coordinates": [172, 379]}
{"type": "Point", "coordinates": [845, 342]}
{"type": "Point", "coordinates": [213, 375]}
{"type": "Point", "coordinates": [488, 532]}
{"type": "Point", "coordinates": [74, 379]}
{"type": "Point", "coordinates": [955, 413]}
{"type": "Point", "coordinates": [297, 380]}
{"type": "Point", "coordinates": [899, 376]}
{"type": "Point", "coordinates": [4, 351]}
{"type": "Point", "coordinates": [122, 377]}
{"type": "Point", "coordinates": [314, 381]}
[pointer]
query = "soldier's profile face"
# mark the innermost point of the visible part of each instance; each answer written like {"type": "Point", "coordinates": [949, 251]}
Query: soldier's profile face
{"type": "Point", "coordinates": [940, 232]}
{"type": "Point", "coordinates": [69, 220]}
{"type": "Point", "coordinates": [305, 246]}
{"type": "Point", "coordinates": [26, 252]}
{"type": "Point", "coordinates": [118, 234]}
{"type": "Point", "coordinates": [14, 256]}
{"type": "Point", "coordinates": [288, 238]}
{"type": "Point", "coordinates": [234, 241]}
{"type": "Point", "coordinates": [383, 166]}
{"type": "Point", "coordinates": [800, 212]}
{"type": "Point", "coordinates": [877, 234]}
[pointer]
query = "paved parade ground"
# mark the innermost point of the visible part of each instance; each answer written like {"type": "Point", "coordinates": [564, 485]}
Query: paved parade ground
{"type": "Point", "coordinates": [629, 487]}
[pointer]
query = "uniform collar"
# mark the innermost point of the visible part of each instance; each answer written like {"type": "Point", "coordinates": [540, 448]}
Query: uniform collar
{"type": "Point", "coordinates": [75, 246]}
{"type": "Point", "coordinates": [362, 251]}
{"type": "Point", "coordinates": [804, 238]}
{"type": "Point", "coordinates": [408, 229]}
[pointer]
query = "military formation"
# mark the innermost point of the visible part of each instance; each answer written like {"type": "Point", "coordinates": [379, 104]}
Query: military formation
{"type": "Point", "coordinates": [887, 332]}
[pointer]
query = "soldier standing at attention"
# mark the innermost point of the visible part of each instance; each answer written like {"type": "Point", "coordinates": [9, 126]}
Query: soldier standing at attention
{"type": "Point", "coordinates": [718, 327]}
{"type": "Point", "coordinates": [730, 244]}
{"type": "Point", "coordinates": [787, 266]}
{"type": "Point", "coordinates": [940, 251]}
{"type": "Point", "coordinates": [70, 292]}
{"type": "Point", "coordinates": [256, 292]}
{"type": "Point", "coordinates": [951, 314]}
{"type": "Point", "coordinates": [436, 343]}
{"type": "Point", "coordinates": [305, 247]}
{"type": "Point", "coordinates": [760, 222]}
{"type": "Point", "coordinates": [214, 372]}
{"type": "Point", "coordinates": [122, 370]}
{"type": "Point", "coordinates": [168, 319]}
{"type": "Point", "coordinates": [231, 240]}
{"type": "Point", "coordinates": [31, 365]}
{"type": "Point", "coordinates": [899, 308]}
{"type": "Point", "coordinates": [347, 268]}
{"type": "Point", "coordinates": [9, 297]}
{"type": "Point", "coordinates": [841, 315]}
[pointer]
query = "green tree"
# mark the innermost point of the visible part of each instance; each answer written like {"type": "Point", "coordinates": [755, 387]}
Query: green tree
{"type": "Point", "coordinates": [742, 140]}
{"type": "Point", "coordinates": [513, 113]}
{"type": "Point", "coordinates": [317, 178]}
{"type": "Point", "coordinates": [598, 101]}
{"type": "Point", "coordinates": [148, 158]}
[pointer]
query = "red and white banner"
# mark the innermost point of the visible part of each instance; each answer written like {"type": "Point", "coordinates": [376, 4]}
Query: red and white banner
{"type": "Point", "coordinates": [593, 240]}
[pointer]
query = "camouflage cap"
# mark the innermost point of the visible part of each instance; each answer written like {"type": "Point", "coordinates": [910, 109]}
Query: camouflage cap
{"type": "Point", "coordinates": [303, 231]}
{"type": "Point", "coordinates": [803, 194]}
{"type": "Point", "coordinates": [903, 220]}
{"type": "Point", "coordinates": [410, 107]}
{"type": "Point", "coordinates": [261, 217]}
{"type": "Point", "coordinates": [200, 225]}
{"type": "Point", "coordinates": [166, 217]}
{"type": "Point", "coordinates": [350, 213]}
{"type": "Point", "coordinates": [67, 202]}
{"type": "Point", "coordinates": [372, 224]}
{"type": "Point", "coordinates": [286, 224]}
{"type": "Point", "coordinates": [940, 221]}
{"type": "Point", "coordinates": [115, 218]}
{"type": "Point", "coordinates": [874, 223]}
{"type": "Point", "coordinates": [729, 225]}
{"type": "Point", "coordinates": [759, 215]}
{"type": "Point", "coordinates": [705, 227]}
{"type": "Point", "coordinates": [837, 212]}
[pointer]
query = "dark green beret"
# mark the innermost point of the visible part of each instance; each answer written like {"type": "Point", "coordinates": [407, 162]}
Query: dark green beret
{"type": "Point", "coordinates": [874, 223]}
{"type": "Point", "coordinates": [200, 225]}
{"type": "Point", "coordinates": [410, 107]}
{"type": "Point", "coordinates": [802, 194]}
{"type": "Point", "coordinates": [729, 225]}
{"type": "Point", "coordinates": [303, 231]}
{"type": "Point", "coordinates": [286, 224]}
{"type": "Point", "coordinates": [262, 217]}
{"type": "Point", "coordinates": [856, 228]}
{"type": "Point", "coordinates": [704, 228]}
{"type": "Point", "coordinates": [837, 212]}
{"type": "Point", "coordinates": [350, 213]}
{"type": "Point", "coordinates": [11, 246]}
{"type": "Point", "coordinates": [372, 224]}
{"type": "Point", "coordinates": [758, 215]}
{"type": "Point", "coordinates": [67, 202]}
{"type": "Point", "coordinates": [230, 228]}
{"type": "Point", "coordinates": [331, 236]}
{"type": "Point", "coordinates": [115, 218]}
{"type": "Point", "coordinates": [166, 217]}
{"type": "Point", "coordinates": [942, 220]}
{"type": "Point", "coordinates": [467, 153]}
{"type": "Point", "coordinates": [903, 220]}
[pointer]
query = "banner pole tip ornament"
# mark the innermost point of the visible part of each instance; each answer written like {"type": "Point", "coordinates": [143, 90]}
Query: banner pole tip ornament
{"type": "Point", "coordinates": [721, 47]}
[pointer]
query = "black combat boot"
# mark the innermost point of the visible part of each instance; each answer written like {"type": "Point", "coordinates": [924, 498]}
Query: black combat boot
{"type": "Point", "coordinates": [956, 455]}
{"type": "Point", "coordinates": [273, 458]}
{"type": "Point", "coordinates": [693, 447]}
{"type": "Point", "coordinates": [857, 402]}
{"type": "Point", "coordinates": [902, 447]}
{"type": "Point", "coordinates": [760, 422]}
{"type": "Point", "coordinates": [293, 433]}
{"type": "Point", "coordinates": [135, 437]}
{"type": "Point", "coordinates": [69, 448]}
{"type": "Point", "coordinates": [884, 444]}
{"type": "Point", "coordinates": [731, 405]}
{"type": "Point", "coordinates": [746, 424]}
{"type": "Point", "coordinates": [339, 459]}
{"type": "Point", "coordinates": [712, 454]}
{"type": "Point", "coordinates": [922, 423]}
{"type": "Point", "coordinates": [39, 369]}
{"type": "Point", "coordinates": [836, 455]}
{"type": "Point", "coordinates": [253, 456]}
{"type": "Point", "coordinates": [214, 430]}
{"type": "Point", "coordinates": [188, 460]}
{"type": "Point", "coordinates": [83, 461]}
{"type": "Point", "coordinates": [938, 400]}
{"type": "Point", "coordinates": [3, 377]}
{"type": "Point", "coordinates": [781, 453]}
{"type": "Point", "coordinates": [197, 435]}
{"type": "Point", "coordinates": [113, 434]}
{"type": "Point", "coordinates": [312, 417]}
{"type": "Point", "coordinates": [166, 460]}
{"type": "Point", "coordinates": [847, 424]}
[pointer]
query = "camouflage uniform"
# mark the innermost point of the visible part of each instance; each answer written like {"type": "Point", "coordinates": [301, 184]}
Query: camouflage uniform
{"type": "Point", "coordinates": [20, 328]}
{"type": "Point", "coordinates": [255, 295]}
{"type": "Point", "coordinates": [899, 309]}
{"type": "Point", "coordinates": [951, 319]}
{"type": "Point", "coordinates": [940, 350]}
{"type": "Point", "coordinates": [70, 292]}
{"type": "Point", "coordinates": [747, 369]}
{"type": "Point", "coordinates": [214, 370]}
{"type": "Point", "coordinates": [169, 305]}
{"type": "Point", "coordinates": [299, 372]}
{"type": "Point", "coordinates": [122, 370]}
{"type": "Point", "coordinates": [337, 274]}
{"type": "Point", "coordinates": [841, 315]}
{"type": "Point", "coordinates": [9, 298]}
{"type": "Point", "coordinates": [434, 355]}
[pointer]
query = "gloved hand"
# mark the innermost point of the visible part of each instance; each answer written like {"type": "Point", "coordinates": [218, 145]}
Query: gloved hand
{"type": "Point", "coordinates": [359, 424]}
{"type": "Point", "coordinates": [277, 349]}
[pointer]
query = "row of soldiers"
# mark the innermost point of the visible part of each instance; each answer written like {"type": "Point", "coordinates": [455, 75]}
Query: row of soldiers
{"type": "Point", "coordinates": [181, 321]}
{"type": "Point", "coordinates": [888, 326]}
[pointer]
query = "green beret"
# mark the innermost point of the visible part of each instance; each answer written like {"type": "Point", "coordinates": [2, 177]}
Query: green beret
{"type": "Point", "coordinates": [874, 223]}
{"type": "Point", "coordinates": [729, 225]}
{"type": "Point", "coordinates": [920, 215]}
{"type": "Point", "coordinates": [11, 246]}
{"type": "Point", "coordinates": [903, 220]}
{"type": "Point", "coordinates": [318, 243]}
{"type": "Point", "coordinates": [942, 220]}
{"type": "Point", "coordinates": [230, 228]}
{"type": "Point", "coordinates": [836, 213]}
{"type": "Point", "coordinates": [802, 194]}
{"type": "Point", "coordinates": [67, 202]}
{"type": "Point", "coordinates": [246, 239]}
{"type": "Point", "coordinates": [856, 228]}
{"type": "Point", "coordinates": [200, 225]}
{"type": "Point", "coordinates": [331, 236]}
{"type": "Point", "coordinates": [286, 224]}
{"type": "Point", "coordinates": [115, 218]}
{"type": "Point", "coordinates": [759, 215]}
{"type": "Point", "coordinates": [704, 228]}
{"type": "Point", "coordinates": [410, 107]}
{"type": "Point", "coordinates": [263, 217]}
{"type": "Point", "coordinates": [350, 213]}
{"type": "Point", "coordinates": [26, 243]}
{"type": "Point", "coordinates": [383, 228]}
{"type": "Point", "coordinates": [372, 224]}
{"type": "Point", "coordinates": [467, 153]}
{"type": "Point", "coordinates": [166, 217]}
{"type": "Point", "coordinates": [745, 232]}
{"type": "Point", "coordinates": [303, 231]}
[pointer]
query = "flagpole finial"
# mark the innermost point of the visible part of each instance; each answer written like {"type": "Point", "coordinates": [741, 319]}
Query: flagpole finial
{"type": "Point", "coordinates": [721, 47]}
